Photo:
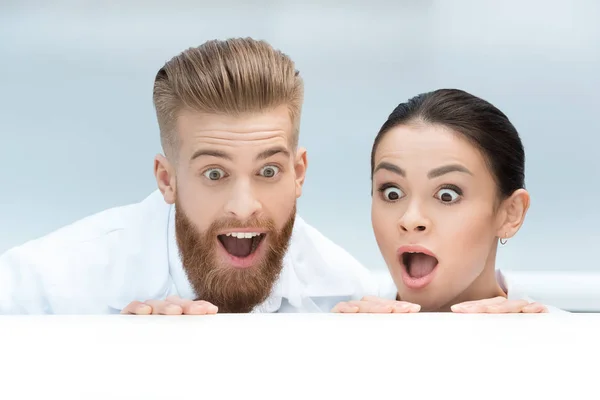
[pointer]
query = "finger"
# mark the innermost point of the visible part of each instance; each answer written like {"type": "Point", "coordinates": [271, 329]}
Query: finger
{"type": "Point", "coordinates": [163, 307]}
{"type": "Point", "coordinates": [474, 306]}
{"type": "Point", "coordinates": [185, 304]}
{"type": "Point", "coordinates": [397, 306]}
{"type": "Point", "coordinates": [404, 307]}
{"type": "Point", "coordinates": [137, 308]}
{"type": "Point", "coordinates": [379, 305]}
{"type": "Point", "coordinates": [372, 307]}
{"type": "Point", "coordinates": [200, 307]}
{"type": "Point", "coordinates": [344, 307]}
{"type": "Point", "coordinates": [508, 307]}
{"type": "Point", "coordinates": [533, 308]}
{"type": "Point", "coordinates": [494, 300]}
{"type": "Point", "coordinates": [191, 307]}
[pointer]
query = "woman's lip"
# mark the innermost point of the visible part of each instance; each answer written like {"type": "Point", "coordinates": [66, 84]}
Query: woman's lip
{"type": "Point", "coordinates": [414, 248]}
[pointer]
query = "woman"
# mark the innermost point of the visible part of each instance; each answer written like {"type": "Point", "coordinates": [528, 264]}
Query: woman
{"type": "Point", "coordinates": [447, 174]}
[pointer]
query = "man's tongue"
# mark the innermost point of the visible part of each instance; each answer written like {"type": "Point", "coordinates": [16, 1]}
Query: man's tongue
{"type": "Point", "coordinates": [237, 247]}
{"type": "Point", "coordinates": [421, 265]}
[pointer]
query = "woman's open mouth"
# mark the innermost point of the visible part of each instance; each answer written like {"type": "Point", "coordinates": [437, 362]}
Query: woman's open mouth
{"type": "Point", "coordinates": [418, 266]}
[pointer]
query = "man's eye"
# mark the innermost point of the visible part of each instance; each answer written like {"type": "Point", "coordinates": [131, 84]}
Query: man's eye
{"type": "Point", "coordinates": [214, 174]}
{"type": "Point", "coordinates": [269, 171]}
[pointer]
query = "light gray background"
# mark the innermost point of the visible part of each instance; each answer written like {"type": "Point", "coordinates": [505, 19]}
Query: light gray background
{"type": "Point", "coordinates": [79, 133]}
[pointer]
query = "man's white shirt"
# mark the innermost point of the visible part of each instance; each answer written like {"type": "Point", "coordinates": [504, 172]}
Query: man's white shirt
{"type": "Point", "coordinates": [101, 263]}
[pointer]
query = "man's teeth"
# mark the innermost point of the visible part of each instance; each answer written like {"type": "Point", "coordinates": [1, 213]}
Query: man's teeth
{"type": "Point", "coordinates": [243, 235]}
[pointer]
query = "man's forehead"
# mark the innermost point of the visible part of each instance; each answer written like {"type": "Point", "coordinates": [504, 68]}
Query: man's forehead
{"type": "Point", "coordinates": [245, 127]}
{"type": "Point", "coordinates": [257, 145]}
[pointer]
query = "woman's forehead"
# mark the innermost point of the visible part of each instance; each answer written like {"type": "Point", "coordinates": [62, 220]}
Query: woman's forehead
{"type": "Point", "coordinates": [428, 143]}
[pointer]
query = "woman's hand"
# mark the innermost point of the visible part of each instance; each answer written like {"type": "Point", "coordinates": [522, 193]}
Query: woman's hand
{"type": "Point", "coordinates": [496, 305]}
{"type": "Point", "coordinates": [376, 305]}
{"type": "Point", "coordinates": [499, 305]}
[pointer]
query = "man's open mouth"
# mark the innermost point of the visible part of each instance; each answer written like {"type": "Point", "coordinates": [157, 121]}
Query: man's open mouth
{"type": "Point", "coordinates": [241, 244]}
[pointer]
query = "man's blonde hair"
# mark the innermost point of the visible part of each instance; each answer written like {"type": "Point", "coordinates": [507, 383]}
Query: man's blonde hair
{"type": "Point", "coordinates": [233, 77]}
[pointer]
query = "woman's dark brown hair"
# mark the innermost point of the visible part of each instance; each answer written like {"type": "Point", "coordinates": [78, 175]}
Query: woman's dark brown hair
{"type": "Point", "coordinates": [475, 119]}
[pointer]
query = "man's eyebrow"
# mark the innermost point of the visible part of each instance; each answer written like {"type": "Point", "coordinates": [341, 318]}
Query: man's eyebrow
{"type": "Point", "coordinates": [211, 153]}
{"type": "Point", "coordinates": [221, 154]}
{"type": "Point", "coordinates": [271, 152]}
{"type": "Point", "coordinates": [390, 167]}
{"type": "Point", "coordinates": [446, 169]}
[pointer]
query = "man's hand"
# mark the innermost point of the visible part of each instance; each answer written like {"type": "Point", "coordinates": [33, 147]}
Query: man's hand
{"type": "Point", "coordinates": [499, 305]}
{"type": "Point", "coordinates": [376, 305]}
{"type": "Point", "coordinates": [173, 305]}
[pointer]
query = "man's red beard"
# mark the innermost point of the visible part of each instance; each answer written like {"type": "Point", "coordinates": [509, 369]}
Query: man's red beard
{"type": "Point", "coordinates": [233, 290]}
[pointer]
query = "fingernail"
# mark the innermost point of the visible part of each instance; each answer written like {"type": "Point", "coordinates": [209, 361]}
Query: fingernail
{"type": "Point", "coordinates": [213, 309]}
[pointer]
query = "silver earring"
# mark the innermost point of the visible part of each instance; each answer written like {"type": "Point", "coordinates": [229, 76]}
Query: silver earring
{"type": "Point", "coordinates": [503, 240]}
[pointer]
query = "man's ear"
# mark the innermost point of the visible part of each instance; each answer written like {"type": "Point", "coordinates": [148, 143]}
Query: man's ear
{"type": "Point", "coordinates": [300, 165]}
{"type": "Point", "coordinates": [512, 214]}
{"type": "Point", "coordinates": [164, 173]}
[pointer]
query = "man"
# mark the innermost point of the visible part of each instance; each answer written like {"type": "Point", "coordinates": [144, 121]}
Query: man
{"type": "Point", "coordinates": [222, 229]}
{"type": "Point", "coordinates": [221, 234]}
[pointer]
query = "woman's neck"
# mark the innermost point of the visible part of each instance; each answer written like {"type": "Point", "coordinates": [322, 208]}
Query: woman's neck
{"type": "Point", "coordinates": [480, 289]}
{"type": "Point", "coordinates": [486, 286]}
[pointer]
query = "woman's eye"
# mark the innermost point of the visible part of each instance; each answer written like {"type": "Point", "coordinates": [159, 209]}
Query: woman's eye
{"type": "Point", "coordinates": [448, 195]}
{"type": "Point", "coordinates": [392, 194]}
{"type": "Point", "coordinates": [269, 171]}
{"type": "Point", "coordinates": [214, 174]}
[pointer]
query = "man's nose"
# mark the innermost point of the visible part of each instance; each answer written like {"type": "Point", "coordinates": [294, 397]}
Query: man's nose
{"type": "Point", "coordinates": [243, 202]}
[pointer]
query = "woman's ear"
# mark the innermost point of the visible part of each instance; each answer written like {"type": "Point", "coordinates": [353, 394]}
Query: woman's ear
{"type": "Point", "coordinates": [512, 213]}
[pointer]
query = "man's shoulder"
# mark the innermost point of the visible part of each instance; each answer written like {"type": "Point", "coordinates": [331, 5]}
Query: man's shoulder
{"type": "Point", "coordinates": [100, 231]}
{"type": "Point", "coordinates": [91, 265]}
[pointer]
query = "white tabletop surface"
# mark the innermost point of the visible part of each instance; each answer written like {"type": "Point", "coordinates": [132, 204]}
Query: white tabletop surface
{"type": "Point", "coordinates": [301, 356]}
